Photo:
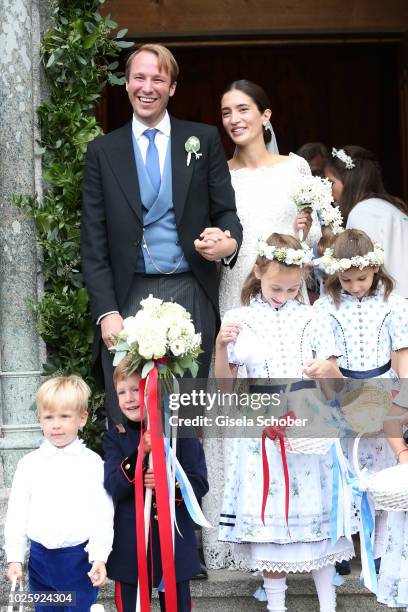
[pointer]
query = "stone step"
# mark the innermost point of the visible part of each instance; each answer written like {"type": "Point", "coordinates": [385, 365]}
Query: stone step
{"type": "Point", "coordinates": [232, 591]}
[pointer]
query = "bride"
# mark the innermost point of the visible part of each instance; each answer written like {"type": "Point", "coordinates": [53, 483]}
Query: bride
{"type": "Point", "coordinates": [262, 180]}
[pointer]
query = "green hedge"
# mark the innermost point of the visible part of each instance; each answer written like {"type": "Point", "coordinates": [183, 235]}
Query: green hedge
{"type": "Point", "coordinates": [78, 55]}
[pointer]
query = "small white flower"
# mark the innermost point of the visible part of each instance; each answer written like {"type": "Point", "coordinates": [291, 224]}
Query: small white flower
{"type": "Point", "coordinates": [342, 156]}
{"type": "Point", "coordinates": [289, 256]}
{"type": "Point", "coordinates": [192, 145]}
{"type": "Point", "coordinates": [331, 265]}
{"type": "Point", "coordinates": [177, 347]}
{"type": "Point", "coordinates": [345, 264]}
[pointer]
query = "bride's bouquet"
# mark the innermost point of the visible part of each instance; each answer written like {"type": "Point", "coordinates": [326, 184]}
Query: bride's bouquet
{"type": "Point", "coordinates": [315, 193]}
{"type": "Point", "coordinates": [159, 331]}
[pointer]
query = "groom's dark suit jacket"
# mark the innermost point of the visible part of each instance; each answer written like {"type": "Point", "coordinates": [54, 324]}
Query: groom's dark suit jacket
{"type": "Point", "coordinates": [112, 222]}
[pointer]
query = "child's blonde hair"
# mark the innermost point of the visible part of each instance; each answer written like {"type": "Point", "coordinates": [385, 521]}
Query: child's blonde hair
{"type": "Point", "coordinates": [252, 284]}
{"type": "Point", "coordinates": [123, 370]}
{"type": "Point", "coordinates": [352, 243]}
{"type": "Point", "coordinates": [69, 392]}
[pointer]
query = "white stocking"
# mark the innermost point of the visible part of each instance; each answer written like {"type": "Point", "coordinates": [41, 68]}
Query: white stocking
{"type": "Point", "coordinates": [380, 533]}
{"type": "Point", "coordinates": [326, 592]}
{"type": "Point", "coordinates": [275, 589]}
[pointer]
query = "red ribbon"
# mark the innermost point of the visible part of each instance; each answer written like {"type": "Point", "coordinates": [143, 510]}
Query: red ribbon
{"type": "Point", "coordinates": [276, 432]}
{"type": "Point", "coordinates": [162, 500]}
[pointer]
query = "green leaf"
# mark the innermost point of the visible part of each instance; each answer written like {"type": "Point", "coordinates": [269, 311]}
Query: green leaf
{"type": "Point", "coordinates": [114, 80]}
{"type": "Point", "coordinates": [148, 366]}
{"type": "Point", "coordinates": [90, 41]}
{"type": "Point", "coordinates": [121, 33]}
{"type": "Point", "coordinates": [123, 44]}
{"type": "Point", "coordinates": [51, 60]}
{"type": "Point", "coordinates": [194, 369]}
{"type": "Point", "coordinates": [123, 346]}
{"type": "Point", "coordinates": [119, 355]}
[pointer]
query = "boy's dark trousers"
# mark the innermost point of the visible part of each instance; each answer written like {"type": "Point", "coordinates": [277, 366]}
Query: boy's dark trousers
{"type": "Point", "coordinates": [59, 570]}
{"type": "Point", "coordinates": [126, 595]}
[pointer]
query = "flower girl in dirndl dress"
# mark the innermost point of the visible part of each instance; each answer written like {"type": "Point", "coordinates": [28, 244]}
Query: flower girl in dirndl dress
{"type": "Point", "coordinates": [369, 322]}
{"type": "Point", "coordinates": [275, 335]}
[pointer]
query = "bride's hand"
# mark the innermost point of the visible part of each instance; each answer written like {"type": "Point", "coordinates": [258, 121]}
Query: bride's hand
{"type": "Point", "coordinates": [214, 244]}
{"type": "Point", "coordinates": [303, 221]}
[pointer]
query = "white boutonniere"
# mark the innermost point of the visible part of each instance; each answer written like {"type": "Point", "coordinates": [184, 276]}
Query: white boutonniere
{"type": "Point", "coordinates": [192, 146]}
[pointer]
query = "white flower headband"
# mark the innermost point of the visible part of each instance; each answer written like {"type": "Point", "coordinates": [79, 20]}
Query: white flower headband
{"type": "Point", "coordinates": [331, 265]}
{"type": "Point", "coordinates": [342, 156]}
{"type": "Point", "coordinates": [288, 256]}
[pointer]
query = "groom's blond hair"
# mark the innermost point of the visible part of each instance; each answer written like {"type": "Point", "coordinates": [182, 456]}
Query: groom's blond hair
{"type": "Point", "coordinates": [165, 59]}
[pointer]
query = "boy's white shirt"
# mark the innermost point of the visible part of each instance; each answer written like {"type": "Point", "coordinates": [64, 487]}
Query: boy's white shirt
{"type": "Point", "coordinates": [58, 499]}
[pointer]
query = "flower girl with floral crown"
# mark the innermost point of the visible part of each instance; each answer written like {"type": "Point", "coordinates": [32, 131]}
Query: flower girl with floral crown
{"type": "Point", "coordinates": [369, 322]}
{"type": "Point", "coordinates": [275, 335]}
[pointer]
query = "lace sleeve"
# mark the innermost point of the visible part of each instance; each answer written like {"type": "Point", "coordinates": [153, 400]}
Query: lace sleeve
{"type": "Point", "coordinates": [301, 165]}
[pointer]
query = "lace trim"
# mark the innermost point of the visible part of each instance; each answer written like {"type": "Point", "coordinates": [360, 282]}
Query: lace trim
{"type": "Point", "coordinates": [292, 157]}
{"type": "Point", "coordinates": [247, 564]}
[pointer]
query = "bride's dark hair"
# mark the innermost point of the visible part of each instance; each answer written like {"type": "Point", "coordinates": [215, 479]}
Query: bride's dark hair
{"type": "Point", "coordinates": [257, 94]}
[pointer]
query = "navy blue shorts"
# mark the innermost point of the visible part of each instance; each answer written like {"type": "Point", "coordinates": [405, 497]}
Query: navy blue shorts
{"type": "Point", "coordinates": [61, 569]}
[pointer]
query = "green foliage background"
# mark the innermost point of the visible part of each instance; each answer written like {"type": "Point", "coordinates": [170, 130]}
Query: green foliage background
{"type": "Point", "coordinates": [78, 56]}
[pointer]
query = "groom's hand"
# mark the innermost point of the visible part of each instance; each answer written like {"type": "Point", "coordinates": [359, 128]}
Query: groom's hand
{"type": "Point", "coordinates": [111, 325]}
{"type": "Point", "coordinates": [214, 244]}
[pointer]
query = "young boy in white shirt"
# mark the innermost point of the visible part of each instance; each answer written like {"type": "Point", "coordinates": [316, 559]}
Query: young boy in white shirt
{"type": "Point", "coordinates": [59, 503]}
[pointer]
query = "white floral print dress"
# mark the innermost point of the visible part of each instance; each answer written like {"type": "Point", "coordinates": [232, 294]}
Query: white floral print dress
{"type": "Point", "coordinates": [285, 340]}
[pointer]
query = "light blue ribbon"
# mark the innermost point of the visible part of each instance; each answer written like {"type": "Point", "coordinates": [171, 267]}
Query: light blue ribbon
{"type": "Point", "coordinates": [187, 492]}
{"type": "Point", "coordinates": [367, 521]}
{"type": "Point", "coordinates": [335, 531]}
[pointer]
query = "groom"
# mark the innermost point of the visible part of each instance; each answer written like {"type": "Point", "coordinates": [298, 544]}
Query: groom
{"type": "Point", "coordinates": [158, 213]}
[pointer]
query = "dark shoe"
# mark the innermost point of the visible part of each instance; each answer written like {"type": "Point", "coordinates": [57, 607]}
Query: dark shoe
{"type": "Point", "coordinates": [343, 568]}
{"type": "Point", "coordinates": [202, 574]}
{"type": "Point", "coordinates": [377, 563]}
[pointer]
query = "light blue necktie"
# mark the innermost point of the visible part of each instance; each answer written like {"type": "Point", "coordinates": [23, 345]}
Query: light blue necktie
{"type": "Point", "coordinates": [152, 160]}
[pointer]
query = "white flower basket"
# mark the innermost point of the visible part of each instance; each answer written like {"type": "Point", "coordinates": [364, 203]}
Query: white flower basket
{"type": "Point", "coordinates": [365, 409]}
{"type": "Point", "coordinates": [309, 446]}
{"type": "Point", "coordinates": [317, 437]}
{"type": "Point", "coordinates": [388, 488]}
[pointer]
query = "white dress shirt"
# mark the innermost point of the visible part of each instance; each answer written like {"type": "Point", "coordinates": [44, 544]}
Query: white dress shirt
{"type": "Point", "coordinates": [58, 499]}
{"type": "Point", "coordinates": [161, 141]}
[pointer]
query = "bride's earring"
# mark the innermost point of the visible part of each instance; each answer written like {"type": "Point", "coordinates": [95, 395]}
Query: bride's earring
{"type": "Point", "coordinates": [268, 126]}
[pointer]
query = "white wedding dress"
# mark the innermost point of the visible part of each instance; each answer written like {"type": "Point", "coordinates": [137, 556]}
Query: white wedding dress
{"type": "Point", "coordinates": [264, 206]}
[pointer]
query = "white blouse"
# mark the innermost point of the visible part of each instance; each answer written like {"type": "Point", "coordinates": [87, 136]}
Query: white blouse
{"type": "Point", "coordinates": [366, 330]}
{"type": "Point", "coordinates": [279, 342]}
{"type": "Point", "coordinates": [386, 224]}
{"type": "Point", "coordinates": [58, 499]}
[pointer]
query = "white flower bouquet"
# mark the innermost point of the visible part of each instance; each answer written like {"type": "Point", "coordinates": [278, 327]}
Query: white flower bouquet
{"type": "Point", "coordinates": [159, 330]}
{"type": "Point", "coordinates": [316, 193]}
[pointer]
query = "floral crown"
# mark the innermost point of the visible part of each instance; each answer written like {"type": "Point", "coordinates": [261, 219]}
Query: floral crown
{"type": "Point", "coordinates": [331, 265]}
{"type": "Point", "coordinates": [342, 156]}
{"type": "Point", "coordinates": [288, 256]}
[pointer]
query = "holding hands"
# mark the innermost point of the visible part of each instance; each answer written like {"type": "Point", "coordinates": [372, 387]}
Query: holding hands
{"type": "Point", "coordinates": [214, 244]}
